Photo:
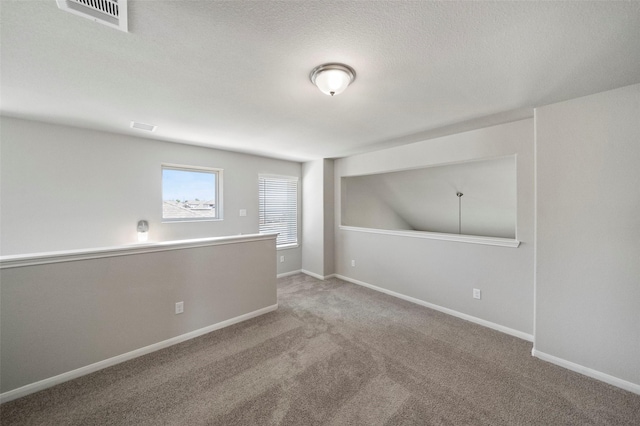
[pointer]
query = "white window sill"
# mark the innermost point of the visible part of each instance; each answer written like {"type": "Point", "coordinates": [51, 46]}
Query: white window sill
{"type": "Point", "coordinates": [288, 246]}
{"type": "Point", "coordinates": [470, 239]}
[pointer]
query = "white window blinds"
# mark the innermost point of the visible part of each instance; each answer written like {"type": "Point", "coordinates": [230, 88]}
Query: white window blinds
{"type": "Point", "coordinates": [278, 198]}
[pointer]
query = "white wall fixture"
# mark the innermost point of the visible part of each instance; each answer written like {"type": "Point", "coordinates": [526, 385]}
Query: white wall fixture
{"type": "Point", "coordinates": [112, 13]}
{"type": "Point", "coordinates": [143, 231]}
{"type": "Point", "coordinates": [332, 79]}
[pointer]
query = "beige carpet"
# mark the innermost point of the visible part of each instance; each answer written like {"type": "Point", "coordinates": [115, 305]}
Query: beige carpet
{"type": "Point", "coordinates": [337, 354]}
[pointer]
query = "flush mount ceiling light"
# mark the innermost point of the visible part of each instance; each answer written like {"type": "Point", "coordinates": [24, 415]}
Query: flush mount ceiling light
{"type": "Point", "coordinates": [332, 79]}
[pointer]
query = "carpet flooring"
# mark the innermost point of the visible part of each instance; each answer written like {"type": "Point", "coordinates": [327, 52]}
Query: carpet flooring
{"type": "Point", "coordinates": [334, 353]}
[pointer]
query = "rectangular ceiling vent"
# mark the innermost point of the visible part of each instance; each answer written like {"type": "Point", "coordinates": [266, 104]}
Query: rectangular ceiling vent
{"type": "Point", "coordinates": [108, 12]}
{"type": "Point", "coordinates": [143, 126]}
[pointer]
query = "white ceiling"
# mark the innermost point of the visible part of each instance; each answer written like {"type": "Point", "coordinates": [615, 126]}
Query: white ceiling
{"type": "Point", "coordinates": [234, 75]}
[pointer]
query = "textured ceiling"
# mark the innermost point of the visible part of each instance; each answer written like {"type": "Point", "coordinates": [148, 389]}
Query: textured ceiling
{"type": "Point", "coordinates": [234, 75]}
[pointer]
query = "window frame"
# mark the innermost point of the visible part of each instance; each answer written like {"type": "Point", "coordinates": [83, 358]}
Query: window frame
{"type": "Point", "coordinates": [218, 199]}
{"type": "Point", "coordinates": [289, 243]}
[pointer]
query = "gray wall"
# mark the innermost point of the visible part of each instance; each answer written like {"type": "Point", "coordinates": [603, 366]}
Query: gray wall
{"type": "Point", "coordinates": [443, 272]}
{"type": "Point", "coordinates": [318, 217]}
{"type": "Point", "coordinates": [329, 217]}
{"type": "Point", "coordinates": [69, 188]}
{"type": "Point", "coordinates": [588, 232]}
{"type": "Point", "coordinates": [62, 316]}
{"type": "Point", "coordinates": [425, 199]}
{"type": "Point", "coordinates": [312, 217]}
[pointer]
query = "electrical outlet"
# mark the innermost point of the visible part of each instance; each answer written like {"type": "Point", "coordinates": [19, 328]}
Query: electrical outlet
{"type": "Point", "coordinates": [281, 259]}
{"type": "Point", "coordinates": [179, 307]}
{"type": "Point", "coordinates": [353, 263]}
{"type": "Point", "coordinates": [476, 293]}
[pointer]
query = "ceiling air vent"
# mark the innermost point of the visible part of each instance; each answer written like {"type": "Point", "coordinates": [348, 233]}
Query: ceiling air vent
{"type": "Point", "coordinates": [143, 126]}
{"type": "Point", "coordinates": [109, 12]}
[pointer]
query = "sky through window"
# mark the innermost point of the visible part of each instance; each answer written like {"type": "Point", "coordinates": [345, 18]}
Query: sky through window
{"type": "Point", "coordinates": [188, 185]}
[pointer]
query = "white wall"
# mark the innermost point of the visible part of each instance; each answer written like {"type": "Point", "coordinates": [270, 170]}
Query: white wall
{"type": "Point", "coordinates": [425, 199]}
{"type": "Point", "coordinates": [362, 206]}
{"type": "Point", "coordinates": [443, 272]}
{"type": "Point", "coordinates": [69, 188]}
{"type": "Point", "coordinates": [60, 317]}
{"type": "Point", "coordinates": [588, 232]}
{"type": "Point", "coordinates": [329, 217]}
{"type": "Point", "coordinates": [312, 217]}
{"type": "Point", "coordinates": [318, 217]}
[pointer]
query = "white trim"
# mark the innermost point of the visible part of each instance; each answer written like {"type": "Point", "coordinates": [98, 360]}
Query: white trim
{"type": "Point", "coordinates": [286, 274]}
{"type": "Point", "coordinates": [313, 274]}
{"type": "Point", "coordinates": [472, 239]}
{"type": "Point", "coordinates": [479, 321]}
{"type": "Point", "coordinates": [19, 260]}
{"type": "Point", "coordinates": [289, 246]}
{"type": "Point", "coordinates": [91, 368]}
{"type": "Point", "coordinates": [188, 168]}
{"type": "Point", "coordinates": [318, 276]}
{"type": "Point", "coordinates": [589, 372]}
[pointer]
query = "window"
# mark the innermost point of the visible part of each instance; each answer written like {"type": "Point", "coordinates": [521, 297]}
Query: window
{"type": "Point", "coordinates": [278, 198]}
{"type": "Point", "coordinates": [191, 193]}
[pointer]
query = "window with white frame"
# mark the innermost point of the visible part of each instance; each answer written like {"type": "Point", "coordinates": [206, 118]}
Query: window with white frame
{"type": "Point", "coordinates": [191, 193]}
{"type": "Point", "coordinates": [278, 208]}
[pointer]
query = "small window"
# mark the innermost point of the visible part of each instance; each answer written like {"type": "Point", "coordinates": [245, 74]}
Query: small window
{"type": "Point", "coordinates": [278, 199]}
{"type": "Point", "coordinates": [191, 193]}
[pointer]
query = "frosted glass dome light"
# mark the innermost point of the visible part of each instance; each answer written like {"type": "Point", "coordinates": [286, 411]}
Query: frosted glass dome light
{"type": "Point", "coordinates": [332, 79]}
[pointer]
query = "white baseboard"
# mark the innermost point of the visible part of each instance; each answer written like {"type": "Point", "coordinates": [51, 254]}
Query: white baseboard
{"type": "Point", "coordinates": [73, 374]}
{"type": "Point", "coordinates": [313, 274]}
{"type": "Point", "coordinates": [489, 324]}
{"type": "Point", "coordinates": [286, 274]}
{"type": "Point", "coordinates": [318, 276]}
{"type": "Point", "coordinates": [594, 374]}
